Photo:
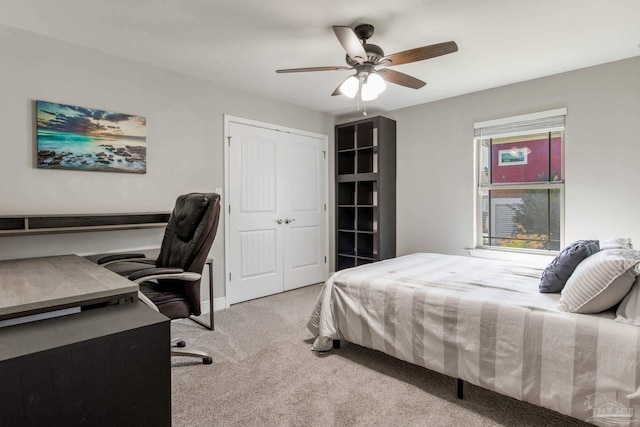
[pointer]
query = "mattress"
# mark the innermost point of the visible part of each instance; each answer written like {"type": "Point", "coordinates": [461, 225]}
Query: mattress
{"type": "Point", "coordinates": [485, 322]}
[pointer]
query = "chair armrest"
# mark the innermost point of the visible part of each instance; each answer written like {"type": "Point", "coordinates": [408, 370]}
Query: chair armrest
{"type": "Point", "coordinates": [163, 273]}
{"type": "Point", "coordinates": [119, 257]}
{"type": "Point", "coordinates": [132, 257]}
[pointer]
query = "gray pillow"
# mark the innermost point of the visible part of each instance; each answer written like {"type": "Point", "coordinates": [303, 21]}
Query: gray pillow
{"type": "Point", "coordinates": [601, 281]}
{"type": "Point", "coordinates": [619, 243]}
{"type": "Point", "coordinates": [555, 276]}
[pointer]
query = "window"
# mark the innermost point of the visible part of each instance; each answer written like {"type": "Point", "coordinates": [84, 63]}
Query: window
{"type": "Point", "coordinates": [521, 181]}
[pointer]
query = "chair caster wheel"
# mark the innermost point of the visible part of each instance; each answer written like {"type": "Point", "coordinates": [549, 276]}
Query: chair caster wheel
{"type": "Point", "coordinates": [181, 344]}
{"type": "Point", "coordinates": [207, 360]}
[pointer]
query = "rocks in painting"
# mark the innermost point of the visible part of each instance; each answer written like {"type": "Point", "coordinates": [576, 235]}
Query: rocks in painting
{"type": "Point", "coordinates": [139, 149]}
{"type": "Point", "coordinates": [52, 158]}
{"type": "Point", "coordinates": [138, 152]}
{"type": "Point", "coordinates": [131, 153]}
{"type": "Point", "coordinates": [103, 158]}
{"type": "Point", "coordinates": [45, 157]}
{"type": "Point", "coordinates": [109, 157]}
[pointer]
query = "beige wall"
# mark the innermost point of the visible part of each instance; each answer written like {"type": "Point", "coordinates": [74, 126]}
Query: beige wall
{"type": "Point", "coordinates": [184, 140]}
{"type": "Point", "coordinates": [435, 211]}
{"type": "Point", "coordinates": [185, 152]}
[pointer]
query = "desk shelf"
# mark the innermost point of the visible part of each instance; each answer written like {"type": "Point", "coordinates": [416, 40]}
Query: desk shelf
{"type": "Point", "coordinates": [20, 225]}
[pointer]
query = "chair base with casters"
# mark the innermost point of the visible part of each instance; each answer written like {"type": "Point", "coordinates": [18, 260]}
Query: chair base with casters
{"type": "Point", "coordinates": [143, 278]}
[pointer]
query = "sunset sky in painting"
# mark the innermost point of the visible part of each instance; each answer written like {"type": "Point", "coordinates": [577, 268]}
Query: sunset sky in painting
{"type": "Point", "coordinates": [89, 121]}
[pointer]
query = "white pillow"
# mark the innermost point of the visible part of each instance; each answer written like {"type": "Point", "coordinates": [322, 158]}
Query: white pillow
{"type": "Point", "coordinates": [629, 309]}
{"type": "Point", "coordinates": [619, 243]}
{"type": "Point", "coordinates": [600, 281]}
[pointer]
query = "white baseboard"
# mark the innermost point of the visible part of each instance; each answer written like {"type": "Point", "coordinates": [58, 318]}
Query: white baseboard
{"type": "Point", "coordinates": [218, 304]}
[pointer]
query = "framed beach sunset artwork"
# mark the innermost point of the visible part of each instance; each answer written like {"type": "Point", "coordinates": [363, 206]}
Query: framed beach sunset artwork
{"type": "Point", "coordinates": [80, 138]}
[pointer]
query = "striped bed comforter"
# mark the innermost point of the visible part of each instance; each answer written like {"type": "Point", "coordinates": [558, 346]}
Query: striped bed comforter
{"type": "Point", "coordinates": [485, 322]}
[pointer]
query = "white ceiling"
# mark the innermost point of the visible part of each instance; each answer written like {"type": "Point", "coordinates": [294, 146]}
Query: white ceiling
{"type": "Point", "coordinates": [241, 43]}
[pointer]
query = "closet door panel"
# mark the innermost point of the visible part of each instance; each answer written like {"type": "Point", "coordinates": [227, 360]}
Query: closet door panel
{"type": "Point", "coordinates": [256, 236]}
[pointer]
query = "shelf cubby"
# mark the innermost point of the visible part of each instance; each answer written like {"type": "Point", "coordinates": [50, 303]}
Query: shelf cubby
{"type": "Point", "coordinates": [346, 162]}
{"type": "Point", "coordinates": [346, 194]}
{"type": "Point", "coordinates": [366, 219]}
{"type": "Point", "coordinates": [367, 194]}
{"type": "Point", "coordinates": [365, 135]}
{"type": "Point", "coordinates": [346, 242]}
{"type": "Point", "coordinates": [365, 245]}
{"type": "Point", "coordinates": [346, 218]}
{"type": "Point", "coordinates": [345, 262]}
{"type": "Point", "coordinates": [346, 138]}
{"type": "Point", "coordinates": [367, 160]}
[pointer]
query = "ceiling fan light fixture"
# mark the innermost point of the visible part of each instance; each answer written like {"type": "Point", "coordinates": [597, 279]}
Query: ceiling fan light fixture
{"type": "Point", "coordinates": [372, 87]}
{"type": "Point", "coordinates": [349, 87]}
{"type": "Point", "coordinates": [376, 83]}
{"type": "Point", "coordinates": [368, 92]}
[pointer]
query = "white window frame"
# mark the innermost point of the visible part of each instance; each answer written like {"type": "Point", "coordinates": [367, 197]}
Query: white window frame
{"type": "Point", "coordinates": [527, 124]}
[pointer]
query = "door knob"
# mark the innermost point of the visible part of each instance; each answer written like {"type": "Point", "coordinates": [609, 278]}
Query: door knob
{"type": "Point", "coordinates": [279, 221]}
{"type": "Point", "coordinates": [287, 220]}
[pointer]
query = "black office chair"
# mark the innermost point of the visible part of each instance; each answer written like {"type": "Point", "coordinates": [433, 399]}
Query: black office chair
{"type": "Point", "coordinates": [172, 287]}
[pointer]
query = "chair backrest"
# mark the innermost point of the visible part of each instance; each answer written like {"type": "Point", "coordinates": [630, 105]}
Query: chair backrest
{"type": "Point", "coordinates": [188, 238]}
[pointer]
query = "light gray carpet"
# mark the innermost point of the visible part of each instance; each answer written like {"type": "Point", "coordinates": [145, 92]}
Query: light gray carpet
{"type": "Point", "coordinates": [265, 374]}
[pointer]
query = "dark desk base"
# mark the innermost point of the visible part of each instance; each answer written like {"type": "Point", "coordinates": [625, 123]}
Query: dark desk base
{"type": "Point", "coordinates": [101, 367]}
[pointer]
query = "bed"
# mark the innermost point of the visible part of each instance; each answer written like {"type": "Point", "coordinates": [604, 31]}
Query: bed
{"type": "Point", "coordinates": [485, 322]}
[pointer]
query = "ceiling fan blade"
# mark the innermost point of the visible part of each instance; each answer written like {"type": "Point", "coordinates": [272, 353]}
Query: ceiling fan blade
{"type": "Point", "coordinates": [350, 43]}
{"type": "Point", "coordinates": [299, 70]}
{"type": "Point", "coordinates": [401, 79]}
{"type": "Point", "coordinates": [421, 53]}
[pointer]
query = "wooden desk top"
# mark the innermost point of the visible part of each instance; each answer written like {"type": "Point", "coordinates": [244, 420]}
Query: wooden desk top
{"type": "Point", "coordinates": [37, 285]}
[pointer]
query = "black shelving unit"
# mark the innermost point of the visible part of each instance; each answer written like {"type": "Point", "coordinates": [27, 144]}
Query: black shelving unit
{"type": "Point", "coordinates": [365, 191]}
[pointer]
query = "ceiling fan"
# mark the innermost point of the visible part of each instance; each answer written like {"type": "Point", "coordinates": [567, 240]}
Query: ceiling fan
{"type": "Point", "coordinates": [370, 62]}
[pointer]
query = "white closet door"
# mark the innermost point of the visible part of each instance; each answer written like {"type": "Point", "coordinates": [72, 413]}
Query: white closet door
{"type": "Point", "coordinates": [255, 244]}
{"type": "Point", "coordinates": [277, 223]}
{"type": "Point", "coordinates": [305, 225]}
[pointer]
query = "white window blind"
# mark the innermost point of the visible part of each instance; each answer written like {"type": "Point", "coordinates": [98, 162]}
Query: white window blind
{"type": "Point", "coordinates": [546, 121]}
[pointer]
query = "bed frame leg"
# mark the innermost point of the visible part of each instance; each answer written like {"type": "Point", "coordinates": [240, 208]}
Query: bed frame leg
{"type": "Point", "coordinates": [336, 343]}
{"type": "Point", "coordinates": [460, 389]}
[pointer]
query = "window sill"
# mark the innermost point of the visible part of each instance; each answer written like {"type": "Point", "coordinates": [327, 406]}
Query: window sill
{"type": "Point", "coordinates": [530, 259]}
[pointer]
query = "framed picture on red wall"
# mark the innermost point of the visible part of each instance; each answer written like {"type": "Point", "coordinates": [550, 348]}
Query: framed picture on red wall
{"type": "Point", "coordinates": [513, 156]}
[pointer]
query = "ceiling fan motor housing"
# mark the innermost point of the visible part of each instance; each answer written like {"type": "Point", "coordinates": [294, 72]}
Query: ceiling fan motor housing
{"type": "Point", "coordinates": [374, 53]}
